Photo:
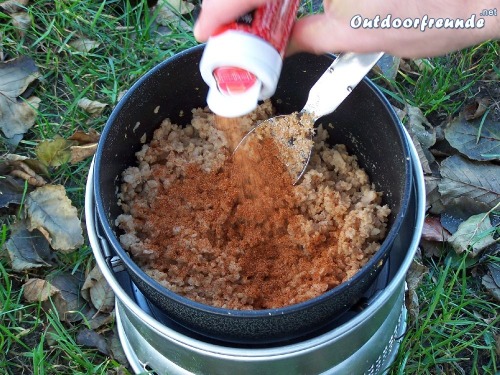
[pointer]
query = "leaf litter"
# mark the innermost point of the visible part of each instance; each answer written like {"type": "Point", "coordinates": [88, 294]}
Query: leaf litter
{"type": "Point", "coordinates": [28, 249]}
{"type": "Point", "coordinates": [51, 211]}
{"type": "Point", "coordinates": [462, 184]}
{"type": "Point", "coordinates": [17, 114]}
{"type": "Point", "coordinates": [478, 139]}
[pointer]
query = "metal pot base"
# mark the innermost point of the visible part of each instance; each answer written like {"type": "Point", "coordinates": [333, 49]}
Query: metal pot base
{"type": "Point", "coordinates": [150, 350]}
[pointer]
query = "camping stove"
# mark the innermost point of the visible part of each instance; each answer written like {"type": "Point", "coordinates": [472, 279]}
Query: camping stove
{"type": "Point", "coordinates": [363, 340]}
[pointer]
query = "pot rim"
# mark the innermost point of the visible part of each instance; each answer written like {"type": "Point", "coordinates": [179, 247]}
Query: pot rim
{"type": "Point", "coordinates": [377, 260]}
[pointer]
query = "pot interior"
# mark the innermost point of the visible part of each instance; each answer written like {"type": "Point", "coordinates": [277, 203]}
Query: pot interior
{"type": "Point", "coordinates": [363, 122]}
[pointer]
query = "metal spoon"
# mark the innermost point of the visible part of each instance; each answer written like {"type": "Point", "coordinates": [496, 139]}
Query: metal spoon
{"type": "Point", "coordinates": [293, 133]}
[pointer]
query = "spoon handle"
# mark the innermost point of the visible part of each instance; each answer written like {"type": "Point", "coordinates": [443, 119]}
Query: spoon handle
{"type": "Point", "coordinates": [338, 81]}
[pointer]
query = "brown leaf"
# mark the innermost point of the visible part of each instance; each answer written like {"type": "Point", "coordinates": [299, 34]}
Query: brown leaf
{"type": "Point", "coordinates": [433, 197]}
{"type": "Point", "coordinates": [431, 249]}
{"type": "Point", "coordinates": [413, 278]}
{"type": "Point", "coordinates": [101, 294]}
{"type": "Point", "coordinates": [17, 115]}
{"type": "Point", "coordinates": [83, 138]}
{"type": "Point", "coordinates": [91, 106]}
{"type": "Point", "coordinates": [491, 286]}
{"type": "Point", "coordinates": [168, 13]}
{"type": "Point", "coordinates": [478, 139]}
{"type": "Point", "coordinates": [79, 153]}
{"type": "Point", "coordinates": [424, 65]}
{"type": "Point", "coordinates": [23, 168]}
{"type": "Point", "coordinates": [54, 153]}
{"type": "Point", "coordinates": [421, 127]}
{"type": "Point", "coordinates": [475, 109]}
{"type": "Point", "coordinates": [11, 191]}
{"type": "Point", "coordinates": [27, 250]}
{"type": "Point", "coordinates": [92, 339]}
{"type": "Point", "coordinates": [422, 155]}
{"type": "Point", "coordinates": [67, 301]}
{"type": "Point", "coordinates": [474, 180]}
{"type": "Point", "coordinates": [49, 208]}
{"type": "Point", "coordinates": [388, 66]}
{"type": "Point", "coordinates": [22, 22]}
{"type": "Point", "coordinates": [13, 6]}
{"type": "Point", "coordinates": [474, 234]}
{"type": "Point", "coordinates": [99, 319]}
{"type": "Point", "coordinates": [433, 230]}
{"type": "Point", "coordinates": [84, 44]}
{"type": "Point", "coordinates": [38, 290]}
{"type": "Point", "coordinates": [116, 348]}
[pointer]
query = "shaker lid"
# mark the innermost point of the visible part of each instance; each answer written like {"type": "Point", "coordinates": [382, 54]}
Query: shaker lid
{"type": "Point", "coordinates": [236, 92]}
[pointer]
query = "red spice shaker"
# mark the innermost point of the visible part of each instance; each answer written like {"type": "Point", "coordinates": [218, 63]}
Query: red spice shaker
{"type": "Point", "coordinates": [242, 61]}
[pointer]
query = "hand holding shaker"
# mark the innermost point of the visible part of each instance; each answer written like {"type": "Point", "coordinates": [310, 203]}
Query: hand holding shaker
{"type": "Point", "coordinates": [242, 61]}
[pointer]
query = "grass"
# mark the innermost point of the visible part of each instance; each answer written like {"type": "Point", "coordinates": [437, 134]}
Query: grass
{"type": "Point", "coordinates": [454, 330]}
{"type": "Point", "coordinates": [457, 325]}
{"type": "Point", "coordinates": [444, 84]}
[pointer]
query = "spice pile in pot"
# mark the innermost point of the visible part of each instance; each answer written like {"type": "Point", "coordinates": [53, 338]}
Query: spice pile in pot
{"type": "Point", "coordinates": [232, 234]}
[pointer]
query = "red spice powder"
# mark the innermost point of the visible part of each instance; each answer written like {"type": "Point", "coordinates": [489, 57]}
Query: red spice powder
{"type": "Point", "coordinates": [237, 218]}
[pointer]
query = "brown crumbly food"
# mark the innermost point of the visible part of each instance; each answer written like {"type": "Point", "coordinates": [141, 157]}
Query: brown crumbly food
{"type": "Point", "coordinates": [191, 222]}
{"type": "Point", "coordinates": [293, 137]}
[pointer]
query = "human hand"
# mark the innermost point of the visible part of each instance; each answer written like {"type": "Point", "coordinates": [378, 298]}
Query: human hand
{"type": "Point", "coordinates": [333, 30]}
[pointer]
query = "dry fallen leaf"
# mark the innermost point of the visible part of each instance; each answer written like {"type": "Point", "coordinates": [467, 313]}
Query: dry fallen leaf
{"type": "Point", "coordinates": [67, 299]}
{"type": "Point", "coordinates": [168, 13]}
{"type": "Point", "coordinates": [433, 230]}
{"type": "Point", "coordinates": [433, 197]}
{"type": "Point", "coordinates": [492, 287]}
{"type": "Point", "coordinates": [13, 6]}
{"type": "Point", "coordinates": [17, 115]}
{"type": "Point", "coordinates": [22, 22]}
{"type": "Point", "coordinates": [83, 138]}
{"type": "Point", "coordinates": [413, 279]}
{"type": "Point", "coordinates": [86, 145]}
{"type": "Point", "coordinates": [11, 191]}
{"type": "Point", "coordinates": [27, 250]}
{"type": "Point", "coordinates": [421, 127]}
{"type": "Point", "coordinates": [24, 168]}
{"type": "Point", "coordinates": [97, 319]}
{"type": "Point", "coordinates": [79, 153]}
{"type": "Point", "coordinates": [424, 65]}
{"type": "Point", "coordinates": [116, 348]}
{"type": "Point", "coordinates": [84, 45]}
{"type": "Point", "coordinates": [478, 139]}
{"type": "Point", "coordinates": [100, 293]}
{"type": "Point", "coordinates": [477, 181]}
{"type": "Point", "coordinates": [92, 339]}
{"type": "Point", "coordinates": [388, 66]}
{"type": "Point", "coordinates": [475, 109]}
{"type": "Point", "coordinates": [38, 290]}
{"type": "Point", "coordinates": [55, 152]}
{"type": "Point", "coordinates": [474, 234]}
{"type": "Point", "coordinates": [180, 6]}
{"type": "Point", "coordinates": [48, 208]}
{"type": "Point", "coordinates": [91, 106]}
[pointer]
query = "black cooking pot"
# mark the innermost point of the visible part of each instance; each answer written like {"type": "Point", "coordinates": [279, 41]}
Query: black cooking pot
{"type": "Point", "coordinates": [365, 123]}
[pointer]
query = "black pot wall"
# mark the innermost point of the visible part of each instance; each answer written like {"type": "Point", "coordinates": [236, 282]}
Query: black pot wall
{"type": "Point", "coordinates": [365, 123]}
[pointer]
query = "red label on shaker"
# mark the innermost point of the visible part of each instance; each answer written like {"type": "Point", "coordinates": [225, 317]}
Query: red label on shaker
{"type": "Point", "coordinates": [272, 22]}
{"type": "Point", "coordinates": [231, 80]}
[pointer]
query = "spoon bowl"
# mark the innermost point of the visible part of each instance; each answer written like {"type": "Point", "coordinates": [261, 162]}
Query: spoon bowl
{"type": "Point", "coordinates": [293, 133]}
